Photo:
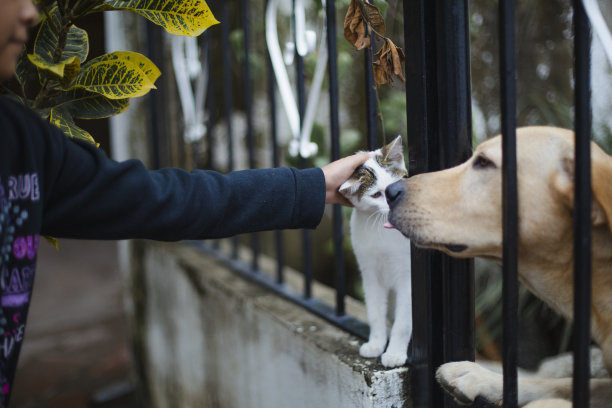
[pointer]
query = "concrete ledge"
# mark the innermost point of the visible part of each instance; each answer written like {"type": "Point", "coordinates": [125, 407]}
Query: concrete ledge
{"type": "Point", "coordinates": [205, 337]}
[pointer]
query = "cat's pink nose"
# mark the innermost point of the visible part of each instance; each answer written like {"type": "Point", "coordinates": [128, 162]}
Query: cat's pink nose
{"type": "Point", "coordinates": [394, 193]}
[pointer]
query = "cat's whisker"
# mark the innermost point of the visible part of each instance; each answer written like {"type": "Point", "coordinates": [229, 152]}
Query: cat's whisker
{"type": "Point", "coordinates": [379, 229]}
{"type": "Point", "coordinates": [377, 220]}
{"type": "Point", "coordinates": [374, 214]}
{"type": "Point", "coordinates": [380, 219]}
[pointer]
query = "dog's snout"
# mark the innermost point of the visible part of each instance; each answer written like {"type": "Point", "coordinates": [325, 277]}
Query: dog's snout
{"type": "Point", "coordinates": [394, 193]}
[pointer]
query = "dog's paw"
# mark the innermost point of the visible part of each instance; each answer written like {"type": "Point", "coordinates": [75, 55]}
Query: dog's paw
{"type": "Point", "coordinates": [466, 380]}
{"type": "Point", "coordinates": [391, 359]}
{"type": "Point", "coordinates": [371, 349]}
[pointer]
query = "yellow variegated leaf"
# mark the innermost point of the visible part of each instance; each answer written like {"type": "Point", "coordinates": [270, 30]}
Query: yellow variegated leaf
{"type": "Point", "coordinates": [64, 122]}
{"type": "Point", "coordinates": [52, 56]}
{"type": "Point", "coordinates": [146, 65]}
{"type": "Point", "coordinates": [99, 8]}
{"type": "Point", "coordinates": [70, 66]}
{"type": "Point", "coordinates": [187, 17]}
{"type": "Point", "coordinates": [117, 75]}
{"type": "Point", "coordinates": [81, 104]}
{"type": "Point", "coordinates": [70, 72]}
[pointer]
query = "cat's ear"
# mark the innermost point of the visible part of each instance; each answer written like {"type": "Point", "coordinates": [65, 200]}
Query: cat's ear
{"type": "Point", "coordinates": [394, 152]}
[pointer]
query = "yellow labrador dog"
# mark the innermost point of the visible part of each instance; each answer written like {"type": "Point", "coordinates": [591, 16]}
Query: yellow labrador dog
{"type": "Point", "coordinates": [458, 211]}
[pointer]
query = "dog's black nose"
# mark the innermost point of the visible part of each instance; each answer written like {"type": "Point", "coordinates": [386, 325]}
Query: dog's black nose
{"type": "Point", "coordinates": [394, 193]}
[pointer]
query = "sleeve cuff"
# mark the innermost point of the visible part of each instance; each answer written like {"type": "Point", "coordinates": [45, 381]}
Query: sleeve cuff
{"type": "Point", "coordinates": [309, 197]}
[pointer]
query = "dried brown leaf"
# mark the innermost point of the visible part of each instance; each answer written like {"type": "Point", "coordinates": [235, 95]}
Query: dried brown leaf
{"type": "Point", "coordinates": [383, 51]}
{"type": "Point", "coordinates": [362, 40]}
{"type": "Point", "coordinates": [380, 65]}
{"type": "Point", "coordinates": [374, 18]}
{"type": "Point", "coordinates": [355, 27]}
{"type": "Point", "coordinates": [349, 25]}
{"type": "Point", "coordinates": [398, 58]}
{"type": "Point", "coordinates": [389, 63]}
{"type": "Point", "coordinates": [380, 76]}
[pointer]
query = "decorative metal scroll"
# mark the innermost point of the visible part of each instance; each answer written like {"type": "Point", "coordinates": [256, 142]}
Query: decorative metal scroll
{"type": "Point", "coordinates": [305, 42]}
{"type": "Point", "coordinates": [191, 82]}
{"type": "Point", "coordinates": [599, 26]}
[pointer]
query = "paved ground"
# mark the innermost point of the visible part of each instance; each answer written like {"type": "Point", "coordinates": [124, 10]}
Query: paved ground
{"type": "Point", "coordinates": [75, 343]}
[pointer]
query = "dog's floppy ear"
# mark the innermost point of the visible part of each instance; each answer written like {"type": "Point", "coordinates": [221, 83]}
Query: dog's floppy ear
{"type": "Point", "coordinates": [601, 175]}
{"type": "Point", "coordinates": [563, 179]}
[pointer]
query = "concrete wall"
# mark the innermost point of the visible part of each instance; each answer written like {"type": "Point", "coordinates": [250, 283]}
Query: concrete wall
{"type": "Point", "coordinates": [209, 338]}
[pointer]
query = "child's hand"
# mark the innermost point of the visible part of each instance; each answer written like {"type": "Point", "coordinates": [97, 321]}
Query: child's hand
{"type": "Point", "coordinates": [337, 172]}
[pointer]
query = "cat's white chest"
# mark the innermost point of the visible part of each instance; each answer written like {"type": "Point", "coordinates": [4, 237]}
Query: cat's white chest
{"type": "Point", "coordinates": [371, 240]}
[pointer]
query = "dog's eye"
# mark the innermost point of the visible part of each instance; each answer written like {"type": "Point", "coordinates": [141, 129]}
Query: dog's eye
{"type": "Point", "coordinates": [376, 195]}
{"type": "Point", "coordinates": [482, 162]}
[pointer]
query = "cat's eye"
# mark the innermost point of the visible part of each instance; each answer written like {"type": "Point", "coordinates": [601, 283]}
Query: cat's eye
{"type": "Point", "coordinates": [482, 162]}
{"type": "Point", "coordinates": [376, 195]}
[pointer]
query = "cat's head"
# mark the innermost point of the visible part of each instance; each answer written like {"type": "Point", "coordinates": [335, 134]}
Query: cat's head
{"type": "Point", "coordinates": [365, 189]}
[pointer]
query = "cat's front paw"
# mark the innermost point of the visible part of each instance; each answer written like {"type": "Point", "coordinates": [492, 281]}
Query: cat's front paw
{"type": "Point", "coordinates": [466, 380]}
{"type": "Point", "coordinates": [391, 359]}
{"type": "Point", "coordinates": [371, 349]}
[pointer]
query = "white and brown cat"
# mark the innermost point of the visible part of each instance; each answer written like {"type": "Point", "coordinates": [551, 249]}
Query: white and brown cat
{"type": "Point", "coordinates": [383, 254]}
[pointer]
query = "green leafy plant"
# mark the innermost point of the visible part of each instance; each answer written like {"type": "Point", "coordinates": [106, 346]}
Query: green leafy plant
{"type": "Point", "coordinates": [58, 81]}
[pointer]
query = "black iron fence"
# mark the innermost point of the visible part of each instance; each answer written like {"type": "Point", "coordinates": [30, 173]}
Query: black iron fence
{"type": "Point", "coordinates": [438, 115]}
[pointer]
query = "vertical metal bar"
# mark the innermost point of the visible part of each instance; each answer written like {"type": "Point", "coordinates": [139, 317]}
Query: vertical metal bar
{"type": "Point", "coordinates": [228, 95]}
{"type": "Point", "coordinates": [370, 92]}
{"type": "Point", "coordinates": [273, 118]}
{"type": "Point", "coordinates": [339, 278]}
{"type": "Point", "coordinates": [510, 201]}
{"type": "Point", "coordinates": [210, 103]}
{"type": "Point", "coordinates": [227, 82]}
{"type": "Point", "coordinates": [438, 110]}
{"type": "Point", "coordinates": [152, 44]}
{"type": "Point", "coordinates": [248, 87]}
{"type": "Point", "coordinates": [582, 207]}
{"type": "Point", "coordinates": [200, 156]}
{"type": "Point", "coordinates": [307, 262]}
{"type": "Point", "coordinates": [301, 96]}
{"type": "Point", "coordinates": [425, 343]}
{"type": "Point", "coordinates": [278, 235]}
{"type": "Point", "coordinates": [248, 102]}
{"type": "Point", "coordinates": [213, 110]}
{"type": "Point", "coordinates": [454, 133]}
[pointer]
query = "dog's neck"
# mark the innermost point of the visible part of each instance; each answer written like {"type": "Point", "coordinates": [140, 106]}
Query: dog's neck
{"type": "Point", "coordinates": [602, 284]}
{"type": "Point", "coordinates": [552, 279]}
